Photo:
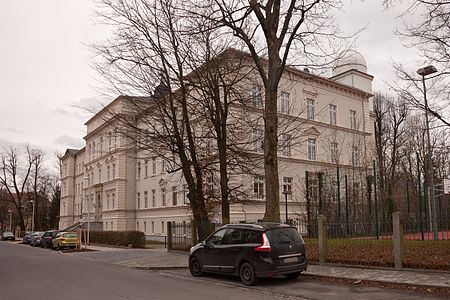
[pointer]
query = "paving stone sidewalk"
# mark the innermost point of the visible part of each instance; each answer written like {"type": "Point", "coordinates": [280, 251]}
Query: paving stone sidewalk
{"type": "Point", "coordinates": [415, 277]}
{"type": "Point", "coordinates": [160, 259]}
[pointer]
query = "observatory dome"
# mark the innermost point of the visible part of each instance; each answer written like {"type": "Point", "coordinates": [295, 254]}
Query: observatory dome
{"type": "Point", "coordinates": [349, 60]}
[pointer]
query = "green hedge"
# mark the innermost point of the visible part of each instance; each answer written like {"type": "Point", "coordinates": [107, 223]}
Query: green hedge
{"type": "Point", "coordinates": [118, 238]}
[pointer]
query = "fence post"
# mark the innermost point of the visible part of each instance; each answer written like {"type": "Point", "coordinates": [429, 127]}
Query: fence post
{"type": "Point", "coordinates": [398, 240]}
{"type": "Point", "coordinates": [169, 236]}
{"type": "Point", "coordinates": [322, 239]}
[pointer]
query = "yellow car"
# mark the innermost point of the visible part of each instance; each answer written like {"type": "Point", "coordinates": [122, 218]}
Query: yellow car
{"type": "Point", "coordinates": [65, 239]}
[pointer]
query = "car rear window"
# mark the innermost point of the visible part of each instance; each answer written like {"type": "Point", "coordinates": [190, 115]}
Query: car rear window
{"type": "Point", "coordinates": [283, 235]}
{"type": "Point", "coordinates": [70, 235]}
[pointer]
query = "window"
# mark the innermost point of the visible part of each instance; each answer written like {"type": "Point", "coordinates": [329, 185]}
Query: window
{"type": "Point", "coordinates": [256, 96]}
{"type": "Point", "coordinates": [145, 226]}
{"type": "Point", "coordinates": [257, 140]}
{"type": "Point", "coordinates": [352, 119]}
{"type": "Point", "coordinates": [162, 226]}
{"type": "Point", "coordinates": [333, 110]}
{"type": "Point", "coordinates": [216, 238]}
{"type": "Point", "coordinates": [355, 158]}
{"type": "Point", "coordinates": [138, 200]}
{"type": "Point", "coordinates": [286, 144]}
{"type": "Point", "coordinates": [114, 171]}
{"type": "Point", "coordinates": [146, 168]}
{"type": "Point", "coordinates": [137, 226]}
{"type": "Point", "coordinates": [258, 186]}
{"type": "Point", "coordinates": [185, 194]}
{"type": "Point", "coordinates": [232, 237]}
{"type": "Point", "coordinates": [287, 185]}
{"type": "Point", "coordinates": [100, 146]}
{"type": "Point", "coordinates": [145, 199]}
{"type": "Point", "coordinates": [153, 165]}
{"type": "Point", "coordinates": [284, 102]}
{"type": "Point", "coordinates": [138, 170]}
{"type": "Point", "coordinates": [334, 190]}
{"type": "Point", "coordinates": [93, 149]}
{"type": "Point", "coordinates": [163, 192]}
{"type": "Point", "coordinates": [174, 196]}
{"type": "Point", "coordinates": [163, 165]}
{"type": "Point", "coordinates": [153, 198]}
{"type": "Point", "coordinates": [99, 175]}
{"type": "Point", "coordinates": [109, 141]}
{"type": "Point", "coordinates": [312, 149]}
{"type": "Point", "coordinates": [113, 198]}
{"type": "Point", "coordinates": [334, 152]}
{"type": "Point", "coordinates": [108, 171]}
{"type": "Point", "coordinates": [153, 227]}
{"type": "Point", "coordinates": [107, 201]}
{"type": "Point", "coordinates": [310, 109]}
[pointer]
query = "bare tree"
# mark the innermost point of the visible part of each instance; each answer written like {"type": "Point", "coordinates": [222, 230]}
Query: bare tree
{"type": "Point", "coordinates": [273, 29]}
{"type": "Point", "coordinates": [15, 170]}
{"type": "Point", "coordinates": [190, 107]}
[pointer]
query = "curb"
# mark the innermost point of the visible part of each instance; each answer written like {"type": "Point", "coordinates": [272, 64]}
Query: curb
{"type": "Point", "coordinates": [161, 268]}
{"type": "Point", "coordinates": [359, 280]}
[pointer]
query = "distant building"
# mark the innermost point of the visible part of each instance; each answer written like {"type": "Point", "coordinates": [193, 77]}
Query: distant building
{"type": "Point", "coordinates": [131, 190]}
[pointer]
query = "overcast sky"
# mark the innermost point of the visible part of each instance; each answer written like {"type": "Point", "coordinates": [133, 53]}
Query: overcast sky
{"type": "Point", "coordinates": [45, 72]}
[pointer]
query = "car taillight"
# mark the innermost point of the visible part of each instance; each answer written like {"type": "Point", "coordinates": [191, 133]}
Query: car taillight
{"type": "Point", "coordinates": [62, 239]}
{"type": "Point", "coordinates": [265, 247]}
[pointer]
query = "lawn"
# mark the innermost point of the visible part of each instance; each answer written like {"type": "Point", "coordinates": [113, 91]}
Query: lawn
{"type": "Point", "coordinates": [371, 252]}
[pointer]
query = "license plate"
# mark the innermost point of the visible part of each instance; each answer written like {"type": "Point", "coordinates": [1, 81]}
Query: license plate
{"type": "Point", "coordinates": [290, 260]}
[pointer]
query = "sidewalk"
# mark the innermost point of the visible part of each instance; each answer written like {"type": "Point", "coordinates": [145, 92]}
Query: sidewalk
{"type": "Point", "coordinates": [179, 260]}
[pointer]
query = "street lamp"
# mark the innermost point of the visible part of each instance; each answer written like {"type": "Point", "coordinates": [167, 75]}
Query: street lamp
{"type": "Point", "coordinates": [424, 72]}
{"type": "Point", "coordinates": [286, 192]}
{"type": "Point", "coordinates": [10, 220]}
{"type": "Point", "coordinates": [32, 216]}
{"type": "Point", "coordinates": [89, 213]}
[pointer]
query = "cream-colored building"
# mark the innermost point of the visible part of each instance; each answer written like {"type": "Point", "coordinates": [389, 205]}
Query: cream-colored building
{"type": "Point", "coordinates": [329, 122]}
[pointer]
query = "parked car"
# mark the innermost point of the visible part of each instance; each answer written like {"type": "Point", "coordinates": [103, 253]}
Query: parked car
{"type": "Point", "coordinates": [47, 238]}
{"type": "Point", "coordinates": [8, 236]}
{"type": "Point", "coordinates": [65, 239]}
{"type": "Point", "coordinates": [36, 238]}
{"type": "Point", "coordinates": [27, 237]}
{"type": "Point", "coordinates": [251, 251]}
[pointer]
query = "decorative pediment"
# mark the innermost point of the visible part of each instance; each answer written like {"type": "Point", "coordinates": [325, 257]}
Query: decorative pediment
{"type": "Point", "coordinates": [312, 131]}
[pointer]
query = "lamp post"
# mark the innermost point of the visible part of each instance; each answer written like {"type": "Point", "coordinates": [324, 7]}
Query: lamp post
{"type": "Point", "coordinates": [424, 72]}
{"type": "Point", "coordinates": [32, 216]}
{"type": "Point", "coordinates": [10, 220]}
{"type": "Point", "coordinates": [89, 213]}
{"type": "Point", "coordinates": [286, 192]}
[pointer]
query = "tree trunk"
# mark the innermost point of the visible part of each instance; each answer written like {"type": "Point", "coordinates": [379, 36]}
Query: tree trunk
{"type": "Point", "coordinates": [272, 213]}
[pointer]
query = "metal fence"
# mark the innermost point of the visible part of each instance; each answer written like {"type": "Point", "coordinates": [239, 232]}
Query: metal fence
{"type": "Point", "coordinates": [361, 243]}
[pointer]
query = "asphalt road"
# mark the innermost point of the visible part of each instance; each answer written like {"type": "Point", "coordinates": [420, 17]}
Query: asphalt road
{"type": "Point", "coordinates": [33, 273]}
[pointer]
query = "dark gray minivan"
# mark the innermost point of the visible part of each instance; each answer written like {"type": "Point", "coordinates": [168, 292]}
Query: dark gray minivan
{"type": "Point", "coordinates": [251, 251]}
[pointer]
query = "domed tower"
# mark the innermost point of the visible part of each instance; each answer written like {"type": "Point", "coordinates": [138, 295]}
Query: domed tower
{"type": "Point", "coordinates": [351, 69]}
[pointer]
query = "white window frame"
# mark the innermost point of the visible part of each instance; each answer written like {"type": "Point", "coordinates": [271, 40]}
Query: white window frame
{"type": "Point", "coordinates": [310, 111]}
{"type": "Point", "coordinates": [312, 149]}
{"type": "Point", "coordinates": [333, 114]}
{"type": "Point", "coordinates": [355, 156]}
{"type": "Point", "coordinates": [256, 96]}
{"type": "Point", "coordinates": [258, 186]}
{"type": "Point", "coordinates": [352, 119]}
{"type": "Point", "coordinates": [287, 185]}
{"type": "Point", "coordinates": [334, 152]}
{"type": "Point", "coordinates": [257, 140]}
{"type": "Point", "coordinates": [284, 102]}
{"type": "Point", "coordinates": [286, 144]}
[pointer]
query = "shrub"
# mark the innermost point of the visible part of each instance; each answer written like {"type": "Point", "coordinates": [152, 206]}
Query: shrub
{"type": "Point", "coordinates": [118, 238]}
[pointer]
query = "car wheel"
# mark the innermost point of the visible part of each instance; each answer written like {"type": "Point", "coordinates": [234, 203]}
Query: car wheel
{"type": "Point", "coordinates": [293, 275]}
{"type": "Point", "coordinates": [195, 267]}
{"type": "Point", "coordinates": [247, 274]}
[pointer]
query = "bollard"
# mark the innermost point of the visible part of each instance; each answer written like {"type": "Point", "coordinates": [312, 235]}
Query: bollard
{"type": "Point", "coordinates": [322, 239]}
{"type": "Point", "coordinates": [398, 240]}
{"type": "Point", "coordinates": [169, 236]}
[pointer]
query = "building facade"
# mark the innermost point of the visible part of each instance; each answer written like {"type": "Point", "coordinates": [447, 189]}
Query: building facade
{"type": "Point", "coordinates": [329, 123]}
